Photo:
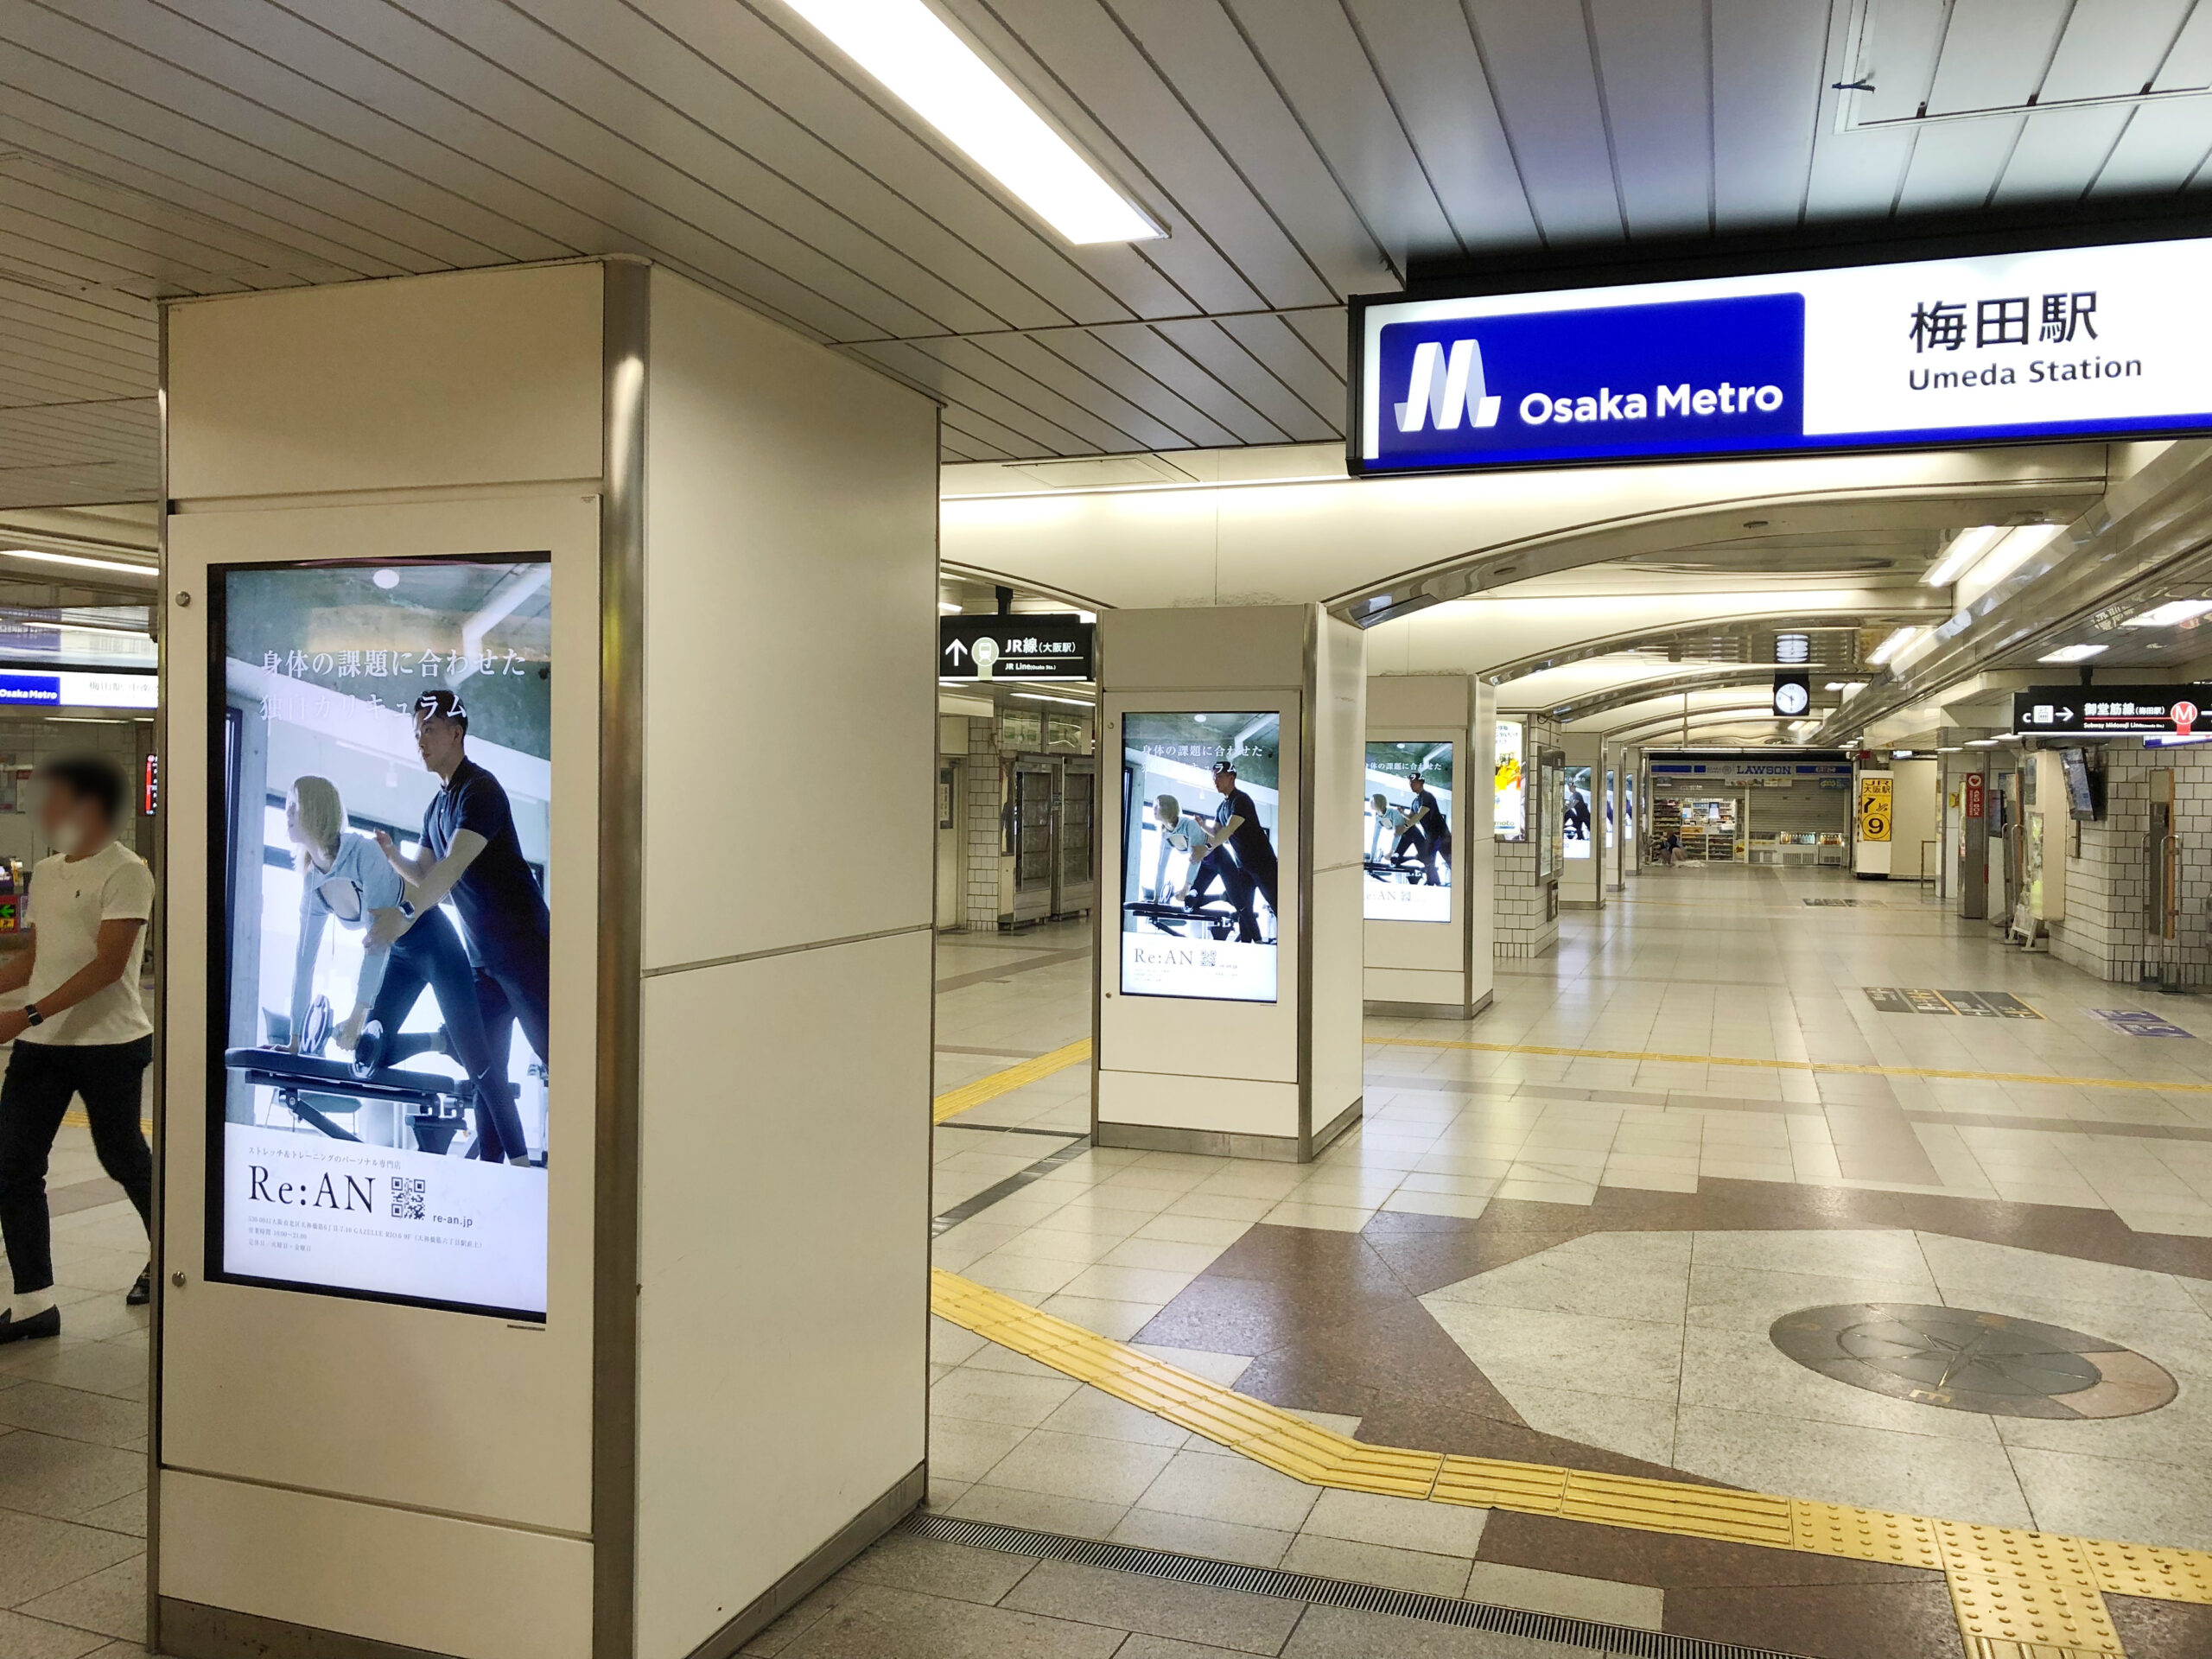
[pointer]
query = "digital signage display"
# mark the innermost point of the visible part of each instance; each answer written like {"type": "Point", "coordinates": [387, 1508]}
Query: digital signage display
{"type": "Point", "coordinates": [1201, 795]}
{"type": "Point", "coordinates": [1574, 812]}
{"type": "Point", "coordinates": [1408, 856]}
{"type": "Point", "coordinates": [379, 1113]}
{"type": "Point", "coordinates": [2064, 343]}
{"type": "Point", "coordinates": [1509, 808]}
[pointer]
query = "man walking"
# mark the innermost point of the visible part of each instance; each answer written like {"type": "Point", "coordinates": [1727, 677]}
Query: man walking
{"type": "Point", "coordinates": [83, 1031]}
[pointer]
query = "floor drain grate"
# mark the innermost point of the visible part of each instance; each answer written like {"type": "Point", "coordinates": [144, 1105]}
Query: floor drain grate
{"type": "Point", "coordinates": [1624, 1641]}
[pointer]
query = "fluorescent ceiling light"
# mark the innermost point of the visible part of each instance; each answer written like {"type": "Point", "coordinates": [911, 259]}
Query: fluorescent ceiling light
{"type": "Point", "coordinates": [1981, 742]}
{"type": "Point", "coordinates": [147, 571]}
{"type": "Point", "coordinates": [2170, 614]}
{"type": "Point", "coordinates": [2073, 654]}
{"type": "Point", "coordinates": [83, 720]}
{"type": "Point", "coordinates": [1962, 551]}
{"type": "Point", "coordinates": [908, 48]}
{"type": "Point", "coordinates": [946, 607]}
{"type": "Point", "coordinates": [1038, 697]}
{"type": "Point", "coordinates": [2009, 555]}
{"type": "Point", "coordinates": [1890, 646]}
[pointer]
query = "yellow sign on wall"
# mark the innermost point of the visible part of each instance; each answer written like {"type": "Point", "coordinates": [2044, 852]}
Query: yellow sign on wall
{"type": "Point", "coordinates": [1874, 794]}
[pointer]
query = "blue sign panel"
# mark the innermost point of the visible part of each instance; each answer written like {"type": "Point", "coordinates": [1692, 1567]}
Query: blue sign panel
{"type": "Point", "coordinates": [1636, 381]}
{"type": "Point", "coordinates": [2077, 342]}
{"type": "Point", "coordinates": [42, 689]}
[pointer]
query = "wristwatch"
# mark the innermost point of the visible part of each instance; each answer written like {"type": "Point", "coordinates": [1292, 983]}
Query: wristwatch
{"type": "Point", "coordinates": [406, 909]}
{"type": "Point", "coordinates": [31, 1015]}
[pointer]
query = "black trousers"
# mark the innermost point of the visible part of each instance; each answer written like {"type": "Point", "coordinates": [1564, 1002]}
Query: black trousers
{"type": "Point", "coordinates": [42, 1079]}
{"type": "Point", "coordinates": [430, 954]}
{"type": "Point", "coordinates": [510, 991]}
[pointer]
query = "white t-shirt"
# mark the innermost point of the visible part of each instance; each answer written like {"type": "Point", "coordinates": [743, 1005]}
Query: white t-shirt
{"type": "Point", "coordinates": [68, 903]}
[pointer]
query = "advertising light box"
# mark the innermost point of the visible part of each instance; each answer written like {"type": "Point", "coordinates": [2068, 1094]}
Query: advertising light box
{"type": "Point", "coordinates": [2078, 342]}
{"type": "Point", "coordinates": [1202, 802]}
{"type": "Point", "coordinates": [1574, 812]}
{"type": "Point", "coordinates": [1408, 856]}
{"type": "Point", "coordinates": [379, 1115]}
{"type": "Point", "coordinates": [1509, 806]}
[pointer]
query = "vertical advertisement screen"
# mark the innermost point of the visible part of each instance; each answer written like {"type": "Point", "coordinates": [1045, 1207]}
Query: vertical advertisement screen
{"type": "Point", "coordinates": [1509, 819]}
{"type": "Point", "coordinates": [1408, 832]}
{"type": "Point", "coordinates": [380, 945]}
{"type": "Point", "coordinates": [1202, 796]}
{"type": "Point", "coordinates": [1574, 812]}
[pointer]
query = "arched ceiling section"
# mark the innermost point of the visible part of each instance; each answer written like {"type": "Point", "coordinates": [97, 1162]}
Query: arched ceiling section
{"type": "Point", "coordinates": [1399, 541]}
{"type": "Point", "coordinates": [1487, 636]}
{"type": "Point", "coordinates": [1720, 640]}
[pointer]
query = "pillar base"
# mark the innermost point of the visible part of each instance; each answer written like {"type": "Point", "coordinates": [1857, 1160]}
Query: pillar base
{"type": "Point", "coordinates": [1218, 1143]}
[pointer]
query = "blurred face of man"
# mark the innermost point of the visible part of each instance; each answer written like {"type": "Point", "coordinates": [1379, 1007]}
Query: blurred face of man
{"type": "Point", "coordinates": [1225, 782]}
{"type": "Point", "coordinates": [67, 819]}
{"type": "Point", "coordinates": [438, 741]}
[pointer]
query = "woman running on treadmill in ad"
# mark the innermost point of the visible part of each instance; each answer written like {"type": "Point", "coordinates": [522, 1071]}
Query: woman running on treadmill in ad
{"type": "Point", "coordinates": [347, 875]}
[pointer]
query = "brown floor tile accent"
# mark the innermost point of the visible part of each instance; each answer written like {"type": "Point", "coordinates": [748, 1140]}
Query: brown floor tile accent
{"type": "Point", "coordinates": [1333, 1322]}
{"type": "Point", "coordinates": [1431, 1251]}
{"type": "Point", "coordinates": [1812, 1605]}
{"type": "Point", "coordinates": [1871, 1621]}
{"type": "Point", "coordinates": [1333, 1328]}
{"type": "Point", "coordinates": [2161, 1630]}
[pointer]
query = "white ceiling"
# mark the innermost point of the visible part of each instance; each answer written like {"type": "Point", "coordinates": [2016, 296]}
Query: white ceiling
{"type": "Point", "coordinates": [1297, 149]}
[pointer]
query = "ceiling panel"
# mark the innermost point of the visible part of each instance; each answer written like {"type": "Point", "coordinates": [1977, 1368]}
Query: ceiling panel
{"type": "Point", "coordinates": [1440, 93]}
{"type": "Point", "coordinates": [1767, 57]}
{"type": "Point", "coordinates": [1545, 80]}
{"type": "Point", "coordinates": [1317, 63]}
{"type": "Point", "coordinates": [1296, 151]}
{"type": "Point", "coordinates": [1657, 70]}
{"type": "Point", "coordinates": [2060, 153]}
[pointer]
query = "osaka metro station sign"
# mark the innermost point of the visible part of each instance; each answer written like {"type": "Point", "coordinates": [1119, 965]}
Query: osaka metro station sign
{"type": "Point", "coordinates": [2078, 342]}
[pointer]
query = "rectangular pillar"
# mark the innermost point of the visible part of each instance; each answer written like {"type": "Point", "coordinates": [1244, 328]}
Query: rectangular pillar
{"type": "Point", "coordinates": [1228, 1012]}
{"type": "Point", "coordinates": [608, 539]}
{"type": "Point", "coordinates": [1428, 943]}
{"type": "Point", "coordinates": [1582, 824]}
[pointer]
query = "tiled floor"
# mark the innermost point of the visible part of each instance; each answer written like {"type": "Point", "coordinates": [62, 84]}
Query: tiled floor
{"type": "Point", "coordinates": [72, 1437]}
{"type": "Point", "coordinates": [1558, 1257]}
{"type": "Point", "coordinates": [1572, 1259]}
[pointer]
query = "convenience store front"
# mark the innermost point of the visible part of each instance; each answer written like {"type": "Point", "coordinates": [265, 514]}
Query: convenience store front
{"type": "Point", "coordinates": [1749, 809]}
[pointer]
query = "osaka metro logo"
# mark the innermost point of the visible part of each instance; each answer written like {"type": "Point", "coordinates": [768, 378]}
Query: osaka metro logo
{"type": "Point", "coordinates": [1447, 390]}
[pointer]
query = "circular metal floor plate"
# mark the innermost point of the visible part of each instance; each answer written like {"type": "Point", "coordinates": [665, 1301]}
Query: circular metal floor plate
{"type": "Point", "coordinates": [1963, 1360]}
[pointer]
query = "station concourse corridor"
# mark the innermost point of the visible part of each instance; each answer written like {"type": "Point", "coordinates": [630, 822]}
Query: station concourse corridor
{"type": "Point", "coordinates": [1568, 1234]}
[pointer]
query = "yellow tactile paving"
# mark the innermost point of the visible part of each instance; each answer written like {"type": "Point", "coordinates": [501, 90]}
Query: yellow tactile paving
{"type": "Point", "coordinates": [2024, 1592]}
{"type": "Point", "coordinates": [953, 1101]}
{"type": "Point", "coordinates": [2019, 1595]}
{"type": "Point", "coordinates": [2138, 1084]}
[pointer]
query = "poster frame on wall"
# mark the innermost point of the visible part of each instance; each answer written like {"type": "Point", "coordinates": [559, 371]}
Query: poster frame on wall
{"type": "Point", "coordinates": [1509, 802]}
{"type": "Point", "coordinates": [1372, 886]}
{"type": "Point", "coordinates": [1131, 879]}
{"type": "Point", "coordinates": [227, 814]}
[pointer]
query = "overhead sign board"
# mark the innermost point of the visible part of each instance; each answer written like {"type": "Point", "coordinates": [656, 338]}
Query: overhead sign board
{"type": "Point", "coordinates": [73, 691]}
{"type": "Point", "coordinates": [2101, 341]}
{"type": "Point", "coordinates": [1053, 646]}
{"type": "Point", "coordinates": [2111, 710]}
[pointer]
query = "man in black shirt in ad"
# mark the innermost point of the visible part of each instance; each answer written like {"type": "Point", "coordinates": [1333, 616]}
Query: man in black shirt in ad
{"type": "Point", "coordinates": [1238, 825]}
{"type": "Point", "coordinates": [1433, 825]}
{"type": "Point", "coordinates": [470, 849]}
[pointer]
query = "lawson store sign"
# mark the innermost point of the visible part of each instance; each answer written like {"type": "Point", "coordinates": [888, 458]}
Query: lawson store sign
{"type": "Point", "coordinates": [2075, 342]}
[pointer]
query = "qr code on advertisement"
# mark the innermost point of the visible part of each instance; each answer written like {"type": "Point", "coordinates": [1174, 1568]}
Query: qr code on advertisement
{"type": "Point", "coordinates": [406, 1199]}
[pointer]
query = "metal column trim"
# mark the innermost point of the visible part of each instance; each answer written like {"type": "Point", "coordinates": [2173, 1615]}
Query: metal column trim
{"type": "Point", "coordinates": [626, 323]}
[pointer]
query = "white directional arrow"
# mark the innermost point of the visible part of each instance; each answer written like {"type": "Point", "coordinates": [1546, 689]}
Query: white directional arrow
{"type": "Point", "coordinates": [956, 651]}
